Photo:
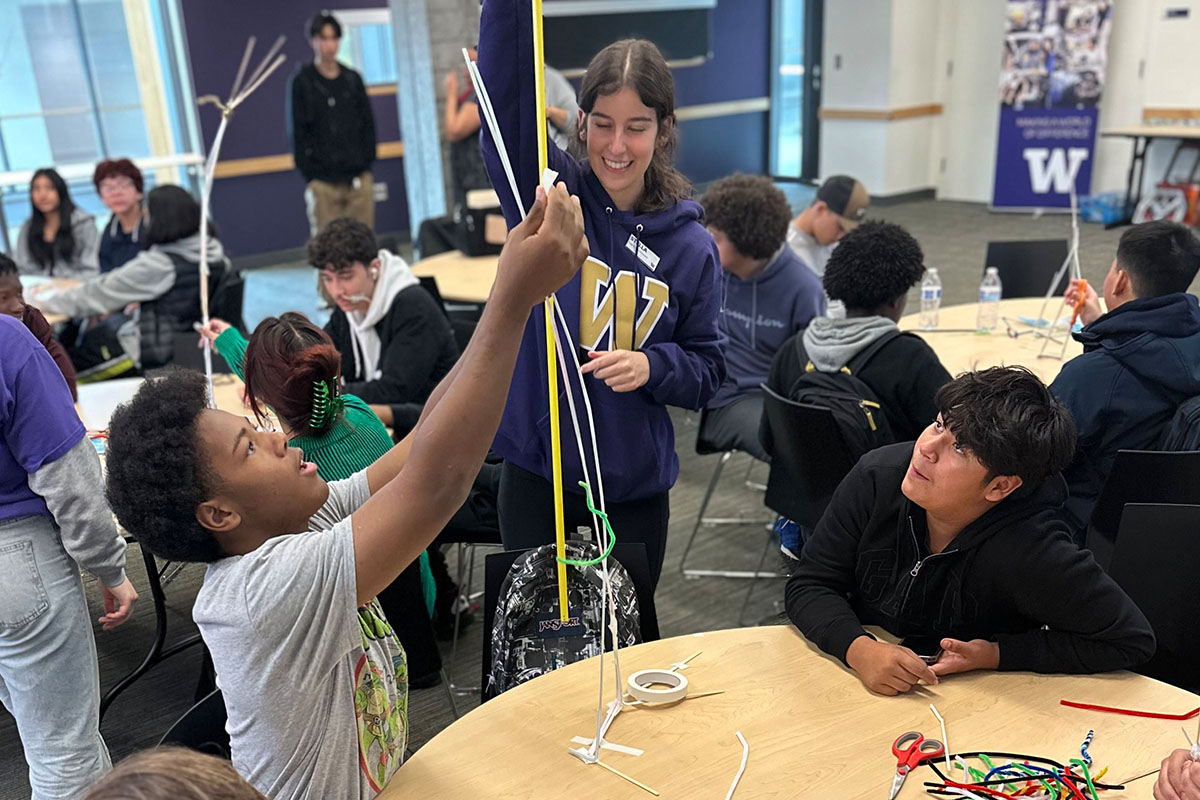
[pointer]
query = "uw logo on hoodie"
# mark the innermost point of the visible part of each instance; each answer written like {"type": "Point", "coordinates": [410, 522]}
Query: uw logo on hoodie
{"type": "Point", "coordinates": [608, 307]}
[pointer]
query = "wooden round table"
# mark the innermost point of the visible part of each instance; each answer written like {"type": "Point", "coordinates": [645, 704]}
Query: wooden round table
{"type": "Point", "coordinates": [961, 349]}
{"type": "Point", "coordinates": [814, 731]}
{"type": "Point", "coordinates": [460, 278]}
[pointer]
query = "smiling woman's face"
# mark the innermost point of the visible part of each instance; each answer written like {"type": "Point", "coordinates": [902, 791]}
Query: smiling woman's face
{"type": "Point", "coordinates": [622, 133]}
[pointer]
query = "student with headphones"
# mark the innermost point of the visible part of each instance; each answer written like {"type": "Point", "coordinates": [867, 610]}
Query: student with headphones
{"type": "Point", "coordinates": [396, 343]}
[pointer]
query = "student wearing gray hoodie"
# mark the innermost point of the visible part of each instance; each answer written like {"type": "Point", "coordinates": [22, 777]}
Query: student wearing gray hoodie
{"type": "Point", "coordinates": [871, 271]}
{"type": "Point", "coordinates": [164, 279]}
{"type": "Point", "coordinates": [59, 239]}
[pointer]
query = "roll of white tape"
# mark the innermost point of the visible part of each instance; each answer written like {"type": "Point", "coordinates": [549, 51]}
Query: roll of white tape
{"type": "Point", "coordinates": [657, 686]}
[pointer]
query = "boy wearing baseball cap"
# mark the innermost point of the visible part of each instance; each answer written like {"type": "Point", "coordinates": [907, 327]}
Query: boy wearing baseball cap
{"type": "Point", "coordinates": [841, 204]}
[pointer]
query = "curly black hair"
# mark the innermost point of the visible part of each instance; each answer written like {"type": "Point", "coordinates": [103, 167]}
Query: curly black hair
{"type": "Point", "coordinates": [873, 265]}
{"type": "Point", "coordinates": [343, 242]}
{"type": "Point", "coordinates": [751, 211]}
{"type": "Point", "coordinates": [1009, 420]}
{"type": "Point", "coordinates": [156, 473]}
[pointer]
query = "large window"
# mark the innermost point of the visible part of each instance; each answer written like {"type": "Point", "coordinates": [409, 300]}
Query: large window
{"type": "Point", "coordinates": [795, 87]}
{"type": "Point", "coordinates": [83, 80]}
{"type": "Point", "coordinates": [367, 44]}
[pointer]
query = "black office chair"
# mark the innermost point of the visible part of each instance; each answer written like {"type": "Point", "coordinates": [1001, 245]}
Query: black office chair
{"type": "Point", "coordinates": [227, 298]}
{"type": "Point", "coordinates": [1156, 560]}
{"type": "Point", "coordinates": [1026, 267]}
{"type": "Point", "coordinates": [630, 555]}
{"type": "Point", "coordinates": [706, 447]}
{"type": "Point", "coordinates": [1140, 476]}
{"type": "Point", "coordinates": [202, 727]}
{"type": "Point", "coordinates": [188, 354]}
{"type": "Point", "coordinates": [809, 461]}
{"type": "Point", "coordinates": [463, 326]}
{"type": "Point", "coordinates": [158, 650]}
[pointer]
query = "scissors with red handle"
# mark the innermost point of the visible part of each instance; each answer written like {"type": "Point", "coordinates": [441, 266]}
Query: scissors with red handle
{"type": "Point", "coordinates": [910, 749]}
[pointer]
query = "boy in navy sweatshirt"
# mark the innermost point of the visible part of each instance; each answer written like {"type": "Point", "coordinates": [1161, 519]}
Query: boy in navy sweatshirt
{"type": "Point", "coordinates": [769, 295]}
{"type": "Point", "coordinates": [643, 308]}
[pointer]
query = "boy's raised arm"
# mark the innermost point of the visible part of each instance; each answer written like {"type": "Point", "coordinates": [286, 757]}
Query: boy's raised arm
{"type": "Point", "coordinates": [409, 507]}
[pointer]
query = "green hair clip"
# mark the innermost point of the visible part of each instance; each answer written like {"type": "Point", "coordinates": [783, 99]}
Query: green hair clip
{"type": "Point", "coordinates": [327, 404]}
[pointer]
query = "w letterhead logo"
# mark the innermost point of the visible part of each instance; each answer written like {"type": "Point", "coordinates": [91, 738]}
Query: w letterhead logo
{"type": "Point", "coordinates": [1058, 166]}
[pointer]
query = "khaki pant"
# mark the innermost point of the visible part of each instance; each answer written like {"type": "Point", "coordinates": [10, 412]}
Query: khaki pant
{"type": "Point", "coordinates": [328, 201]}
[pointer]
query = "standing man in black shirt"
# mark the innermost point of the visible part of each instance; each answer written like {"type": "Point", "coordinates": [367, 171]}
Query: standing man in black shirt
{"type": "Point", "coordinates": [332, 131]}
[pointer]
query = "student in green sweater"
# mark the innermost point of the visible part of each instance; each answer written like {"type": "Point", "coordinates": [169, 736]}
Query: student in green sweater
{"type": "Point", "coordinates": [292, 369]}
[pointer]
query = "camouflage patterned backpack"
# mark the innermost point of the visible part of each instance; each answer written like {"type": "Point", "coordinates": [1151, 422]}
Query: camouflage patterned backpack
{"type": "Point", "coordinates": [529, 639]}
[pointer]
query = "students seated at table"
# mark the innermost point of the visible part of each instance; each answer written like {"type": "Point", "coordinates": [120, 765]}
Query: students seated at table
{"type": "Point", "coordinates": [12, 303]}
{"type": "Point", "coordinates": [119, 184]}
{"type": "Point", "coordinates": [769, 295]}
{"type": "Point", "coordinates": [173, 773]}
{"type": "Point", "coordinates": [59, 239]}
{"type": "Point", "coordinates": [164, 279]}
{"type": "Point", "coordinates": [955, 538]}
{"type": "Point", "coordinates": [396, 344]}
{"type": "Point", "coordinates": [1140, 360]}
{"type": "Point", "coordinates": [292, 370]}
{"type": "Point", "coordinates": [870, 272]}
{"type": "Point", "coordinates": [53, 520]}
{"type": "Point", "coordinates": [314, 681]}
{"type": "Point", "coordinates": [1178, 778]}
{"type": "Point", "coordinates": [840, 205]}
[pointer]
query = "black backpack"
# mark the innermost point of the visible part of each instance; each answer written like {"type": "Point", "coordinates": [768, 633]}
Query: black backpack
{"type": "Point", "coordinates": [96, 349]}
{"type": "Point", "coordinates": [528, 638]}
{"type": "Point", "coordinates": [856, 408]}
{"type": "Point", "coordinates": [1183, 431]}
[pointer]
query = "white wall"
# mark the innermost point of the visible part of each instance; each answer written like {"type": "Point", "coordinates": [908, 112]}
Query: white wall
{"type": "Point", "coordinates": [856, 57]}
{"type": "Point", "coordinates": [854, 147]}
{"type": "Point", "coordinates": [896, 53]}
{"type": "Point", "coordinates": [1172, 45]}
{"type": "Point", "coordinates": [913, 69]}
{"type": "Point", "coordinates": [964, 151]}
{"type": "Point", "coordinates": [1124, 91]}
{"type": "Point", "coordinates": [879, 55]}
{"type": "Point", "coordinates": [914, 76]}
{"type": "Point", "coordinates": [856, 65]}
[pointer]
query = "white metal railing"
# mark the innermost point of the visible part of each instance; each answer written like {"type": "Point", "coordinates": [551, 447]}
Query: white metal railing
{"type": "Point", "coordinates": [75, 172]}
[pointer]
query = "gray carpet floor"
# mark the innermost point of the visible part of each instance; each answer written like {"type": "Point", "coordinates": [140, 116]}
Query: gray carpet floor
{"type": "Point", "coordinates": [953, 236]}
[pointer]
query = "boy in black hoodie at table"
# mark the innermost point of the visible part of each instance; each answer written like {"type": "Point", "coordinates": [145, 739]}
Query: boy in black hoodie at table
{"type": "Point", "coordinates": [955, 539]}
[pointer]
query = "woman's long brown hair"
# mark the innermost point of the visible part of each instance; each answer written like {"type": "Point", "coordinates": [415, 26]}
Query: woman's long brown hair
{"type": "Point", "coordinates": [640, 65]}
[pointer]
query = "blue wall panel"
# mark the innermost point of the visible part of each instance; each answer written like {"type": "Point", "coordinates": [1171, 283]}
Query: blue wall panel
{"type": "Point", "coordinates": [741, 58]}
{"type": "Point", "coordinates": [713, 148]}
{"type": "Point", "coordinates": [264, 213]}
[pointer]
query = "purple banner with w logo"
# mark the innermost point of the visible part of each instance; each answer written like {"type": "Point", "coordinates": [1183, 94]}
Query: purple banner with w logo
{"type": "Point", "coordinates": [1051, 82]}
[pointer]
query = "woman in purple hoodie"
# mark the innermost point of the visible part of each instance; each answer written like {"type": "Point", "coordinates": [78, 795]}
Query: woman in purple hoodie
{"type": "Point", "coordinates": [644, 308]}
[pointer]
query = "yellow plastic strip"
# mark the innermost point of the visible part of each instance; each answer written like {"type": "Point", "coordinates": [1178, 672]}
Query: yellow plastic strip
{"type": "Point", "coordinates": [560, 534]}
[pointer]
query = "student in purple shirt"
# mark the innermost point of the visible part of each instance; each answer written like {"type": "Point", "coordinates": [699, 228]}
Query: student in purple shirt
{"type": "Point", "coordinates": [53, 520]}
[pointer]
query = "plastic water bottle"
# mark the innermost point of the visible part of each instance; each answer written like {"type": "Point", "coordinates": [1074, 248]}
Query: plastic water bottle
{"type": "Point", "coordinates": [931, 299]}
{"type": "Point", "coordinates": [989, 300]}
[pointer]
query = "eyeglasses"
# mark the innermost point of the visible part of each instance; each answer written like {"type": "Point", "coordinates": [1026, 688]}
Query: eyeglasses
{"type": "Point", "coordinates": [112, 187]}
